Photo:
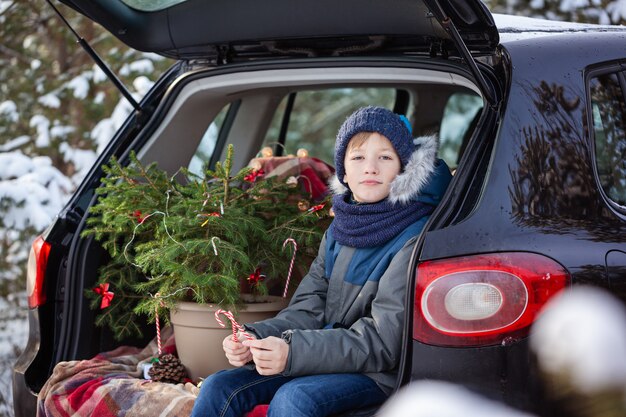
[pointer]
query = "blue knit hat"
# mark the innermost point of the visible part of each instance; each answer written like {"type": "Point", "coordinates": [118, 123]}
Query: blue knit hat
{"type": "Point", "coordinates": [394, 127]}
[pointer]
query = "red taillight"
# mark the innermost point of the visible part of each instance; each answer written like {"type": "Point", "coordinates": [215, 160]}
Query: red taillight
{"type": "Point", "coordinates": [484, 299]}
{"type": "Point", "coordinates": [35, 275]}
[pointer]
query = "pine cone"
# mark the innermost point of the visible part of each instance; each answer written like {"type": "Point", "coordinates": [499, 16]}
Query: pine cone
{"type": "Point", "coordinates": [168, 369]}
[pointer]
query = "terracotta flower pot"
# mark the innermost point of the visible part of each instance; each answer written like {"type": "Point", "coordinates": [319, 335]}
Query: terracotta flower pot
{"type": "Point", "coordinates": [199, 336]}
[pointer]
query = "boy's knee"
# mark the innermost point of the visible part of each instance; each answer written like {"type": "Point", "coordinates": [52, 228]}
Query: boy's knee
{"type": "Point", "coordinates": [217, 394]}
{"type": "Point", "coordinates": [292, 400]}
{"type": "Point", "coordinates": [221, 383]}
{"type": "Point", "coordinates": [217, 381]}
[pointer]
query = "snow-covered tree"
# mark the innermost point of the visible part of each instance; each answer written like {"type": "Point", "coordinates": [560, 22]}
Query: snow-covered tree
{"type": "Point", "coordinates": [57, 110]}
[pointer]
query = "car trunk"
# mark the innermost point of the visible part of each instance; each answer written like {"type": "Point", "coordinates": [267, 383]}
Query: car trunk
{"type": "Point", "coordinates": [191, 105]}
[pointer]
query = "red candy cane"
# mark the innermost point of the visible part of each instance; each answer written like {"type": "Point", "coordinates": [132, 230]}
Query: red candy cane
{"type": "Point", "coordinates": [236, 326]}
{"type": "Point", "coordinates": [293, 258]}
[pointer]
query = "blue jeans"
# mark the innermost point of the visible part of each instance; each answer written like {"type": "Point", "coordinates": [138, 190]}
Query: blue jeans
{"type": "Point", "coordinates": [233, 392]}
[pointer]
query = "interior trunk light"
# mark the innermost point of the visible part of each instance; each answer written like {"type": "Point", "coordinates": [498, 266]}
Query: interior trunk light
{"type": "Point", "coordinates": [36, 271]}
{"type": "Point", "coordinates": [481, 300]}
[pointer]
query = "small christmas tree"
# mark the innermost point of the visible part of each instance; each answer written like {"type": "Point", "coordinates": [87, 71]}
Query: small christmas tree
{"type": "Point", "coordinates": [194, 240]}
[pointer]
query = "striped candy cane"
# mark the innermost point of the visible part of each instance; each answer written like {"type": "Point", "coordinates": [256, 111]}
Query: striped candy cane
{"type": "Point", "coordinates": [236, 326]}
{"type": "Point", "coordinates": [158, 324]}
{"type": "Point", "coordinates": [158, 330]}
{"type": "Point", "coordinates": [293, 258]}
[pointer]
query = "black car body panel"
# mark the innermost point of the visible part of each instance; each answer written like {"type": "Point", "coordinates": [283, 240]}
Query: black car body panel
{"type": "Point", "coordinates": [495, 371]}
{"type": "Point", "coordinates": [532, 202]}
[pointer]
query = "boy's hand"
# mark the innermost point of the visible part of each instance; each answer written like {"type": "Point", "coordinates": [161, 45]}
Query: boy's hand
{"type": "Point", "coordinates": [269, 354]}
{"type": "Point", "coordinates": [237, 354]}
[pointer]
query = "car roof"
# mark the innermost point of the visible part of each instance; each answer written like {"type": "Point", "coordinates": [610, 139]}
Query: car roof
{"type": "Point", "coordinates": [515, 28]}
{"type": "Point", "coordinates": [200, 28]}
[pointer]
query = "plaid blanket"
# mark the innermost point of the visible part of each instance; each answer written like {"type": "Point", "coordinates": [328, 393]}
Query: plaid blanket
{"type": "Point", "coordinates": [112, 384]}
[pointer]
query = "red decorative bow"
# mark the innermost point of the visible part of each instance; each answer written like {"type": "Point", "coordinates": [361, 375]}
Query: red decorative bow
{"type": "Point", "coordinates": [107, 296]}
{"type": "Point", "coordinates": [252, 176]}
{"type": "Point", "coordinates": [256, 277]}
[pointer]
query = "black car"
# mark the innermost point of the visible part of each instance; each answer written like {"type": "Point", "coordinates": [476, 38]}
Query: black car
{"type": "Point", "coordinates": [531, 119]}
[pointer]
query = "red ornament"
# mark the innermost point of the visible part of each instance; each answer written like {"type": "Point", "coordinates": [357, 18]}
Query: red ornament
{"type": "Point", "coordinates": [316, 208]}
{"type": "Point", "coordinates": [107, 296]}
{"type": "Point", "coordinates": [137, 215]}
{"type": "Point", "coordinates": [252, 176]}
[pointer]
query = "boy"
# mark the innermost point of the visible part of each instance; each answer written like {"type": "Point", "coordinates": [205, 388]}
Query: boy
{"type": "Point", "coordinates": [336, 346]}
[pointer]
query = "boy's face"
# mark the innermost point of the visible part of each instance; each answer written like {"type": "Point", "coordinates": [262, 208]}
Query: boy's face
{"type": "Point", "coordinates": [370, 168]}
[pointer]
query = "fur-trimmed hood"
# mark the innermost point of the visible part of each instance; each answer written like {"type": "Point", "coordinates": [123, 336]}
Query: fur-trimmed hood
{"type": "Point", "coordinates": [412, 180]}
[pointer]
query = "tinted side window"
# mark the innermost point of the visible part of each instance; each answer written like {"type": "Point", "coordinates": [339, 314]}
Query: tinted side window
{"type": "Point", "coordinates": [609, 126]}
{"type": "Point", "coordinates": [459, 121]}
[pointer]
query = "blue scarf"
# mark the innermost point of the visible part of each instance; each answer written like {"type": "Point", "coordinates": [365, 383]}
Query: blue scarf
{"type": "Point", "coordinates": [369, 225]}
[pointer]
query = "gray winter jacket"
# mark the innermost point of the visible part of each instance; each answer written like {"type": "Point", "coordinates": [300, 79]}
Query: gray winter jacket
{"type": "Point", "coordinates": [336, 326]}
{"type": "Point", "coordinates": [347, 314]}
